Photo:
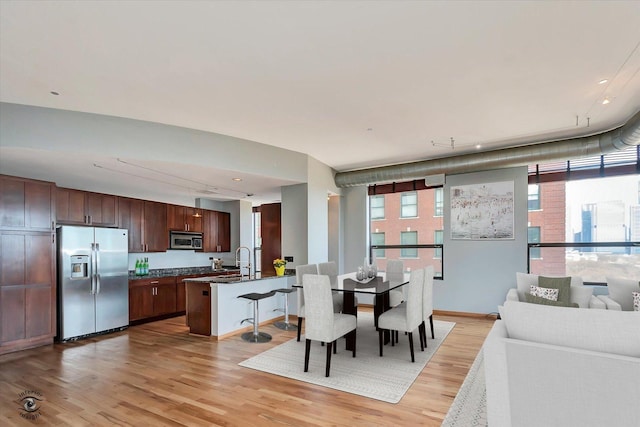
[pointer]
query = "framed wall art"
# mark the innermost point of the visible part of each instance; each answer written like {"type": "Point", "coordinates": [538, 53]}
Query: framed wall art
{"type": "Point", "coordinates": [482, 211]}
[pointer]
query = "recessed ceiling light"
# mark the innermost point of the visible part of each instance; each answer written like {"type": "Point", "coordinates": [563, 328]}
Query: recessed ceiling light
{"type": "Point", "coordinates": [236, 179]}
{"type": "Point", "coordinates": [53, 92]}
{"type": "Point", "coordinates": [478, 146]}
{"type": "Point", "coordinates": [603, 81]}
{"type": "Point", "coordinates": [606, 101]}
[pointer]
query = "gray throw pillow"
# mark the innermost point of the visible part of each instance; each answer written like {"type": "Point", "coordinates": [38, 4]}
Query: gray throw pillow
{"type": "Point", "coordinates": [543, 301]}
{"type": "Point", "coordinates": [563, 284]}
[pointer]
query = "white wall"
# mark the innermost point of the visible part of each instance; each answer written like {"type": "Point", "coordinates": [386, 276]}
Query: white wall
{"type": "Point", "coordinates": [70, 134]}
{"type": "Point", "coordinates": [336, 230]}
{"type": "Point", "coordinates": [477, 274]}
{"type": "Point", "coordinates": [355, 226]}
{"type": "Point", "coordinates": [295, 242]}
{"type": "Point", "coordinates": [320, 183]}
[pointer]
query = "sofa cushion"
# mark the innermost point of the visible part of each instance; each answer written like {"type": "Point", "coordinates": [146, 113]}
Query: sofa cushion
{"type": "Point", "coordinates": [636, 301]}
{"type": "Point", "coordinates": [548, 293]}
{"type": "Point", "coordinates": [581, 295]}
{"type": "Point", "coordinates": [562, 284]}
{"type": "Point", "coordinates": [620, 290]}
{"type": "Point", "coordinates": [524, 282]}
{"type": "Point", "coordinates": [606, 331]}
{"type": "Point", "coordinates": [539, 300]}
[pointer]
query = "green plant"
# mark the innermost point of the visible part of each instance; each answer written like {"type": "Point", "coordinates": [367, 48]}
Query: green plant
{"type": "Point", "coordinates": [279, 262]}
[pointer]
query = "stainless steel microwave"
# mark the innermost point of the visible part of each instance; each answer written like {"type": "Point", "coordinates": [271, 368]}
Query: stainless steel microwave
{"type": "Point", "coordinates": [185, 240]}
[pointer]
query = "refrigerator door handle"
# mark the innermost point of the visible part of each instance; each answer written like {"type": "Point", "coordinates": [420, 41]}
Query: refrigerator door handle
{"type": "Point", "coordinates": [97, 268]}
{"type": "Point", "coordinates": [92, 273]}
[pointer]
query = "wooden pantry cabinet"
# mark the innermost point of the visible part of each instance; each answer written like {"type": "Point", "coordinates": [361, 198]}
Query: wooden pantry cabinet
{"type": "Point", "coordinates": [78, 207]}
{"type": "Point", "coordinates": [27, 263]}
{"type": "Point", "coordinates": [152, 297]}
{"type": "Point", "coordinates": [146, 222]}
{"type": "Point", "coordinates": [217, 231]}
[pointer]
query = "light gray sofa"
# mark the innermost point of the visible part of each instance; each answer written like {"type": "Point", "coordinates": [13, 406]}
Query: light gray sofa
{"type": "Point", "coordinates": [620, 295]}
{"type": "Point", "coordinates": [560, 366]}
{"type": "Point", "coordinates": [580, 294]}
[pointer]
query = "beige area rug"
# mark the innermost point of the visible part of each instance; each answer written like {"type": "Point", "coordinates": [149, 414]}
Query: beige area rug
{"type": "Point", "coordinates": [383, 378]}
{"type": "Point", "coordinates": [469, 408]}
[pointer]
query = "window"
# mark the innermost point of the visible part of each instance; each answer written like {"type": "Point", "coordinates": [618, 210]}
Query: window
{"type": "Point", "coordinates": [439, 202]}
{"type": "Point", "coordinates": [377, 207]}
{"type": "Point", "coordinates": [438, 239]}
{"type": "Point", "coordinates": [409, 238]}
{"type": "Point", "coordinates": [597, 222]}
{"type": "Point", "coordinates": [378, 239]}
{"type": "Point", "coordinates": [534, 197]}
{"type": "Point", "coordinates": [534, 237]}
{"type": "Point", "coordinates": [409, 205]}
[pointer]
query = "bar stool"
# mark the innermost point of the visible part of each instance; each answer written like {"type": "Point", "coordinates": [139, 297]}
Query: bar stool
{"type": "Point", "coordinates": [280, 324]}
{"type": "Point", "coordinates": [256, 336]}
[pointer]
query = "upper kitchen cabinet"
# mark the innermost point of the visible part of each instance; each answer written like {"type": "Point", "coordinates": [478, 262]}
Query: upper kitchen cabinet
{"type": "Point", "coordinates": [183, 218]}
{"type": "Point", "coordinates": [86, 208]}
{"type": "Point", "coordinates": [217, 231]}
{"type": "Point", "coordinates": [26, 204]}
{"type": "Point", "coordinates": [146, 222]}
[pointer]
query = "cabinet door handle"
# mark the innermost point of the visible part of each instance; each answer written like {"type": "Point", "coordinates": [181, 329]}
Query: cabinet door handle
{"type": "Point", "coordinates": [155, 282]}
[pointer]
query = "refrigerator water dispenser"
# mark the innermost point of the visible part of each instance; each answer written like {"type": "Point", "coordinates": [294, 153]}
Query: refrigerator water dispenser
{"type": "Point", "coordinates": [79, 266]}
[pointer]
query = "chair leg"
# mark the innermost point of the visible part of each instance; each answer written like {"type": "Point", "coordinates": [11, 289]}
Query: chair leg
{"type": "Point", "coordinates": [413, 358]}
{"type": "Point", "coordinates": [420, 332]}
{"type": "Point", "coordinates": [380, 339]}
{"type": "Point", "coordinates": [335, 346]}
{"type": "Point", "coordinates": [354, 342]}
{"type": "Point", "coordinates": [299, 326]}
{"type": "Point", "coordinates": [329, 345]}
{"type": "Point", "coordinates": [431, 321]}
{"type": "Point", "coordinates": [424, 334]}
{"type": "Point", "coordinates": [307, 348]}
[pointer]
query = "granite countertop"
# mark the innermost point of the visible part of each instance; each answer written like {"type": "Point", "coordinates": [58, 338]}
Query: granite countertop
{"type": "Point", "coordinates": [181, 271]}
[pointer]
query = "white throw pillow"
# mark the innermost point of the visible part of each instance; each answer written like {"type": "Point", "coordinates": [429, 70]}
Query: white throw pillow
{"type": "Point", "coordinates": [621, 291]}
{"type": "Point", "coordinates": [636, 301]}
{"type": "Point", "coordinates": [546, 293]}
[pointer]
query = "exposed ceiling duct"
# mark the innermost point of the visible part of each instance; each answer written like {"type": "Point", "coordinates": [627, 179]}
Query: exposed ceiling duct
{"type": "Point", "coordinates": [617, 139]}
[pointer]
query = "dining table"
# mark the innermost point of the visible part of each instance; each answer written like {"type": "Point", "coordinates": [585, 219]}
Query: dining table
{"type": "Point", "coordinates": [377, 286]}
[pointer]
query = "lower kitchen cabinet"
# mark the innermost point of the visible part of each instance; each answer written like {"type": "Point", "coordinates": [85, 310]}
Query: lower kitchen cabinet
{"type": "Point", "coordinates": [27, 290]}
{"type": "Point", "coordinates": [150, 298]}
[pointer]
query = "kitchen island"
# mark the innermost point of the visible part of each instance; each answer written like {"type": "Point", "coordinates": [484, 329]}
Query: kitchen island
{"type": "Point", "coordinates": [214, 309]}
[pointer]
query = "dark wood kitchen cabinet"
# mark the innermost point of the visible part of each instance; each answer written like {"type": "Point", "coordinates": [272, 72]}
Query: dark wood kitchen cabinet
{"type": "Point", "coordinates": [78, 207]}
{"type": "Point", "coordinates": [26, 204]}
{"type": "Point", "coordinates": [27, 263]}
{"type": "Point", "coordinates": [217, 231]}
{"type": "Point", "coordinates": [151, 298]}
{"type": "Point", "coordinates": [146, 222]}
{"type": "Point", "coordinates": [184, 218]}
{"type": "Point", "coordinates": [27, 289]}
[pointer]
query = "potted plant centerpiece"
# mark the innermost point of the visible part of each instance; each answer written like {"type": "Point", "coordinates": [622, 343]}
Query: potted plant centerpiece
{"type": "Point", "coordinates": [279, 264]}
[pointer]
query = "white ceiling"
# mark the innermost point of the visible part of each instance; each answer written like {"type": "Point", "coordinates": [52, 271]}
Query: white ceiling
{"type": "Point", "coordinates": [351, 83]}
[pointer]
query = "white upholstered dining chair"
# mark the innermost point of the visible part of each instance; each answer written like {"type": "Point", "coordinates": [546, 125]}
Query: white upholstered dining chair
{"type": "Point", "coordinates": [301, 270]}
{"type": "Point", "coordinates": [330, 269]}
{"type": "Point", "coordinates": [321, 323]}
{"type": "Point", "coordinates": [406, 317]}
{"type": "Point", "coordinates": [395, 273]}
{"type": "Point", "coordinates": [427, 306]}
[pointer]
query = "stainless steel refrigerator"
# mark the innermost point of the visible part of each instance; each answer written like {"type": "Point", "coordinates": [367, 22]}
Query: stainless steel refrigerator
{"type": "Point", "coordinates": [93, 286]}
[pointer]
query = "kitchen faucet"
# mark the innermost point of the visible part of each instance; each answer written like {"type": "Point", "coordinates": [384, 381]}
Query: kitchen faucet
{"type": "Point", "coordinates": [238, 261]}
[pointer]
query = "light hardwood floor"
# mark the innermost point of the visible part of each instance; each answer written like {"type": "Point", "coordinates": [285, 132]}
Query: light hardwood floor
{"type": "Point", "coordinates": [157, 374]}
